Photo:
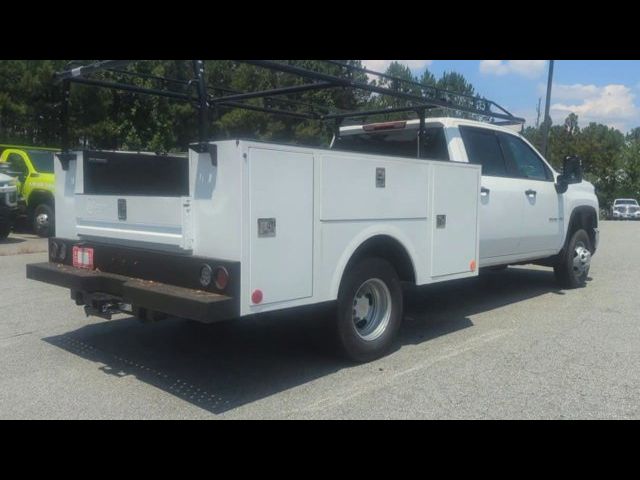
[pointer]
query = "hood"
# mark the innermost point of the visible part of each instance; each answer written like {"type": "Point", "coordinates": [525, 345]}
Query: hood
{"type": "Point", "coordinates": [5, 179]}
{"type": "Point", "coordinates": [44, 178]}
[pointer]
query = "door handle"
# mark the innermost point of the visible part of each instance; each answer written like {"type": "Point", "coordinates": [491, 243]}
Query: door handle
{"type": "Point", "coordinates": [530, 193]}
{"type": "Point", "coordinates": [484, 191]}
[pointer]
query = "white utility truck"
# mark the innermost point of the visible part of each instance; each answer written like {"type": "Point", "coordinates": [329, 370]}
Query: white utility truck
{"type": "Point", "coordinates": [239, 227]}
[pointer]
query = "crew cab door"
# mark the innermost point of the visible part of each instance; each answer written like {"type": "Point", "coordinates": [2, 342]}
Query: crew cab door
{"type": "Point", "coordinates": [18, 165]}
{"type": "Point", "coordinates": [542, 205]}
{"type": "Point", "coordinates": [501, 205]}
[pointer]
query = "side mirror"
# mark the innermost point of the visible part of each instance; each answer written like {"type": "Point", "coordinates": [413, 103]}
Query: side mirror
{"type": "Point", "coordinates": [571, 173]}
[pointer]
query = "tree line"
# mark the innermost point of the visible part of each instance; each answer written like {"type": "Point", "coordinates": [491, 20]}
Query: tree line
{"type": "Point", "coordinates": [611, 159]}
{"type": "Point", "coordinates": [99, 118]}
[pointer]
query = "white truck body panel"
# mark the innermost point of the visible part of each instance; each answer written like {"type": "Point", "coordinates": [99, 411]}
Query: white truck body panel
{"type": "Point", "coordinates": [325, 205]}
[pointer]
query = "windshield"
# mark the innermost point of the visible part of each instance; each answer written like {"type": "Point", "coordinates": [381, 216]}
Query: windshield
{"type": "Point", "coordinates": [42, 160]}
{"type": "Point", "coordinates": [626, 202]}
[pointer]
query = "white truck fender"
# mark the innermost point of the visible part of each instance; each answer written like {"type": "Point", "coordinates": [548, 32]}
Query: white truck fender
{"type": "Point", "coordinates": [370, 232]}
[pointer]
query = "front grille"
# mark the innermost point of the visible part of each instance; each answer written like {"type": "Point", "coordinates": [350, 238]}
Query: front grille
{"type": "Point", "coordinates": [9, 199]}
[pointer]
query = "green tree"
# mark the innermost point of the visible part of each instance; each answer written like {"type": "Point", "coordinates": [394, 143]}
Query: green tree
{"type": "Point", "coordinates": [600, 148]}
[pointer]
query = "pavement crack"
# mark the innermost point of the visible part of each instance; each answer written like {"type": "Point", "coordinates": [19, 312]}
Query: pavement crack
{"type": "Point", "coordinates": [16, 335]}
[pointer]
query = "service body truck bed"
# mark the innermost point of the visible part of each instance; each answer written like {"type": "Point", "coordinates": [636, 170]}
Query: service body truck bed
{"type": "Point", "coordinates": [283, 221]}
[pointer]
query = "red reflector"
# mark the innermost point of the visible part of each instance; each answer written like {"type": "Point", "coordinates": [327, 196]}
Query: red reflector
{"type": "Point", "coordinates": [384, 126]}
{"type": "Point", "coordinates": [83, 257]}
{"type": "Point", "coordinates": [256, 296]}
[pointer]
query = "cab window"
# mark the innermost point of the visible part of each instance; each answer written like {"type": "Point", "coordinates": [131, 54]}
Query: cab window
{"type": "Point", "coordinates": [401, 143]}
{"type": "Point", "coordinates": [41, 160]}
{"type": "Point", "coordinates": [434, 144]}
{"type": "Point", "coordinates": [483, 148]}
{"type": "Point", "coordinates": [17, 164]}
{"type": "Point", "coordinates": [527, 163]}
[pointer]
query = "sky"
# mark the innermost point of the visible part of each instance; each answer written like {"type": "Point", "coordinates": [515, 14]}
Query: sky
{"type": "Point", "coordinates": [603, 91]}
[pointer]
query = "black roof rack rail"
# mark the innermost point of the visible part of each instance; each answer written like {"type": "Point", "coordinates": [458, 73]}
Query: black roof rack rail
{"type": "Point", "coordinates": [195, 90]}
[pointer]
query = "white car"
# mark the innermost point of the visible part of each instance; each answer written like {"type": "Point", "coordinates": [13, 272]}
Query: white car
{"type": "Point", "coordinates": [626, 209]}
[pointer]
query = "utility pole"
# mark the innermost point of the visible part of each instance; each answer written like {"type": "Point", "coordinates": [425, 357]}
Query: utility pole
{"type": "Point", "coordinates": [547, 118]}
{"type": "Point", "coordinates": [538, 112]}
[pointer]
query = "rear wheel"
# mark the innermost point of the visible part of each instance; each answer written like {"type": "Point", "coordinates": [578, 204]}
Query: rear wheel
{"type": "Point", "coordinates": [369, 310]}
{"type": "Point", "coordinates": [573, 266]}
{"type": "Point", "coordinates": [43, 220]}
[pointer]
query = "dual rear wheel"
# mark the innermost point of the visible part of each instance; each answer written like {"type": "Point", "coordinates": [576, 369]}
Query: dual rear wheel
{"type": "Point", "coordinates": [369, 310]}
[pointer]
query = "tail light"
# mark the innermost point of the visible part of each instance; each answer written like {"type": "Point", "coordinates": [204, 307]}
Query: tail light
{"type": "Point", "coordinates": [206, 273]}
{"type": "Point", "coordinates": [221, 278]}
{"type": "Point", "coordinates": [83, 257]}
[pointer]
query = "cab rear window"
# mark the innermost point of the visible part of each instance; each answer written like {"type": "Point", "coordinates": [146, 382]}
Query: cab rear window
{"type": "Point", "coordinates": [401, 143]}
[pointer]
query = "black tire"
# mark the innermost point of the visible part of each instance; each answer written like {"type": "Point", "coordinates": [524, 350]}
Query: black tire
{"type": "Point", "coordinates": [352, 340]}
{"type": "Point", "coordinates": [567, 274]}
{"type": "Point", "coordinates": [5, 230]}
{"type": "Point", "coordinates": [43, 229]}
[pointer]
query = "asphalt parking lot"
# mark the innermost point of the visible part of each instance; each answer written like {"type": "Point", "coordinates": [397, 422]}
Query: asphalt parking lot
{"type": "Point", "coordinates": [505, 345]}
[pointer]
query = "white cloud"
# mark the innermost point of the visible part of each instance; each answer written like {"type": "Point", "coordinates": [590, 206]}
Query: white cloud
{"type": "Point", "coordinates": [577, 91]}
{"type": "Point", "coordinates": [612, 105]}
{"type": "Point", "coordinates": [525, 68]}
{"type": "Point", "coordinates": [382, 65]}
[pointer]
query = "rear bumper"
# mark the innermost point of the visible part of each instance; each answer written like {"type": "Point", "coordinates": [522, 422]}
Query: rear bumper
{"type": "Point", "coordinates": [141, 294]}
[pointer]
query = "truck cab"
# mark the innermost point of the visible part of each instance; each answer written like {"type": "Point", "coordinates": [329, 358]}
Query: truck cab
{"type": "Point", "coordinates": [8, 204]}
{"type": "Point", "coordinates": [528, 210]}
{"type": "Point", "coordinates": [33, 169]}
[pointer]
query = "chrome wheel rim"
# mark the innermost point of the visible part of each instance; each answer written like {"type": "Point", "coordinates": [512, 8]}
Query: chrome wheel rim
{"type": "Point", "coordinates": [42, 220]}
{"type": "Point", "coordinates": [581, 259]}
{"type": "Point", "coordinates": [371, 309]}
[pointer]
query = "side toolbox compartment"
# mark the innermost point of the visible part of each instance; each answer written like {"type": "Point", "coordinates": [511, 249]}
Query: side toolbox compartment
{"type": "Point", "coordinates": [281, 224]}
{"type": "Point", "coordinates": [455, 194]}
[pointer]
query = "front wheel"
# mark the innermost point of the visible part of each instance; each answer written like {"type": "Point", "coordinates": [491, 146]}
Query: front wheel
{"type": "Point", "coordinates": [43, 220]}
{"type": "Point", "coordinates": [5, 230]}
{"type": "Point", "coordinates": [369, 310]}
{"type": "Point", "coordinates": [573, 266]}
